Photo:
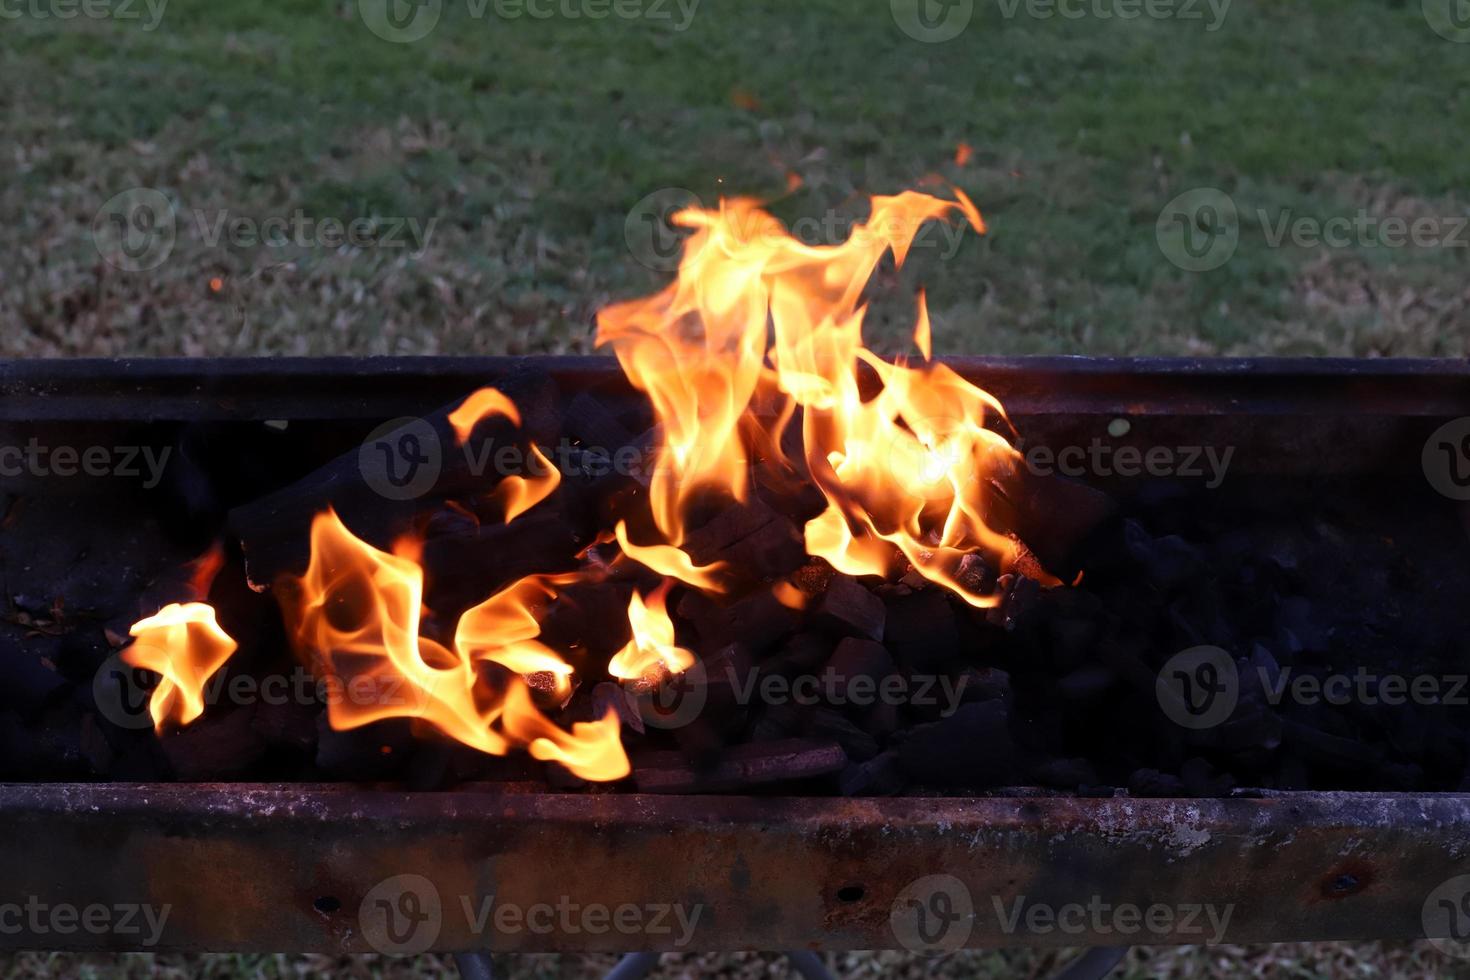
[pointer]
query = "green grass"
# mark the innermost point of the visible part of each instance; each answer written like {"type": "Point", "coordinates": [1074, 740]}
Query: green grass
{"type": "Point", "coordinates": [529, 140]}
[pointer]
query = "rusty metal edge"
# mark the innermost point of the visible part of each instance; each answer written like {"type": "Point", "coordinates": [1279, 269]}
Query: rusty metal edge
{"type": "Point", "coordinates": [306, 868]}
{"type": "Point", "coordinates": [178, 389]}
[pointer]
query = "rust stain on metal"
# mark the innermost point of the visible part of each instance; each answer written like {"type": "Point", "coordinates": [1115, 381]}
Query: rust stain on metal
{"type": "Point", "coordinates": [286, 868]}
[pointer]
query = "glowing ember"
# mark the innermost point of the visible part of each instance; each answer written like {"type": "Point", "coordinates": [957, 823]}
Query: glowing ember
{"type": "Point", "coordinates": [185, 645]}
{"type": "Point", "coordinates": [652, 648]}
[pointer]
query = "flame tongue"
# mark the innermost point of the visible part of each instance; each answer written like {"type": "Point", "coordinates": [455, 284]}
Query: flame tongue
{"type": "Point", "coordinates": [184, 644]}
{"type": "Point", "coordinates": [359, 616]}
{"type": "Point", "coordinates": [902, 471]}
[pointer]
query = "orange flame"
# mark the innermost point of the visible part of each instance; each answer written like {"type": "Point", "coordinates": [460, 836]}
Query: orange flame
{"type": "Point", "coordinates": [359, 618]}
{"type": "Point", "coordinates": [183, 643]}
{"type": "Point", "coordinates": [483, 404]}
{"type": "Point", "coordinates": [903, 471]}
{"type": "Point", "coordinates": [669, 560]}
{"type": "Point", "coordinates": [652, 647]}
{"type": "Point", "coordinates": [518, 494]}
{"type": "Point", "coordinates": [903, 455]}
{"type": "Point", "coordinates": [515, 494]}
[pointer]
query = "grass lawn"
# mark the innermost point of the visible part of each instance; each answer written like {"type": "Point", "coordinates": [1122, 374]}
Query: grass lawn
{"type": "Point", "coordinates": [502, 161]}
{"type": "Point", "coordinates": [521, 145]}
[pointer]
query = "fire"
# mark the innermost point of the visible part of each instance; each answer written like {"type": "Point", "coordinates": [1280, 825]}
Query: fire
{"type": "Point", "coordinates": [483, 404]}
{"type": "Point", "coordinates": [515, 494]}
{"type": "Point", "coordinates": [184, 644]}
{"type": "Point", "coordinates": [755, 312]}
{"type": "Point", "coordinates": [652, 648]}
{"type": "Point", "coordinates": [759, 336]}
{"type": "Point", "coordinates": [669, 560]}
{"type": "Point", "coordinates": [358, 617]}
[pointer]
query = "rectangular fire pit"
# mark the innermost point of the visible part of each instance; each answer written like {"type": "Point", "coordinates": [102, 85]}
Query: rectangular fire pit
{"type": "Point", "coordinates": [231, 840]}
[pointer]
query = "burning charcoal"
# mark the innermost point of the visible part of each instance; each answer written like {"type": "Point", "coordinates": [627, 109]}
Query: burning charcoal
{"type": "Point", "coordinates": [285, 723]}
{"type": "Point", "coordinates": [589, 421]}
{"type": "Point", "coordinates": [741, 767]}
{"type": "Point", "coordinates": [1072, 641]}
{"type": "Point", "coordinates": [97, 750]}
{"type": "Point", "coordinates": [377, 751]}
{"type": "Point", "coordinates": [883, 719]}
{"type": "Point", "coordinates": [1168, 561]}
{"type": "Point", "coordinates": [588, 620]}
{"type": "Point", "coordinates": [463, 566]}
{"type": "Point", "coordinates": [824, 723]}
{"type": "Point", "coordinates": [1068, 774]}
{"type": "Point", "coordinates": [750, 537]}
{"type": "Point", "coordinates": [31, 682]}
{"type": "Point", "coordinates": [1086, 685]}
{"type": "Point", "coordinates": [802, 653]}
{"type": "Point", "coordinates": [972, 747]}
{"type": "Point", "coordinates": [701, 742]}
{"type": "Point", "coordinates": [813, 578]}
{"type": "Point", "coordinates": [727, 672]}
{"type": "Point", "coordinates": [922, 631]}
{"type": "Point", "coordinates": [217, 745]}
{"type": "Point", "coordinates": [609, 694]}
{"type": "Point", "coordinates": [1338, 753]}
{"type": "Point", "coordinates": [23, 754]}
{"type": "Point", "coordinates": [1297, 620]}
{"type": "Point", "coordinates": [1053, 515]}
{"type": "Point", "coordinates": [1263, 666]}
{"type": "Point", "coordinates": [983, 684]}
{"type": "Point", "coordinates": [974, 574]}
{"type": "Point", "coordinates": [1019, 602]}
{"type": "Point", "coordinates": [879, 776]}
{"type": "Point", "coordinates": [778, 721]}
{"type": "Point", "coordinates": [469, 765]}
{"type": "Point", "coordinates": [1152, 783]}
{"type": "Point", "coordinates": [847, 608]}
{"type": "Point", "coordinates": [274, 531]}
{"type": "Point", "coordinates": [757, 621]}
{"type": "Point", "coordinates": [857, 667]}
{"type": "Point", "coordinates": [931, 697]}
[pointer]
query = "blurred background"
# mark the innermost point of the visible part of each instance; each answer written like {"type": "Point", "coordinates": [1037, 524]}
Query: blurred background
{"type": "Point", "coordinates": [363, 177]}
